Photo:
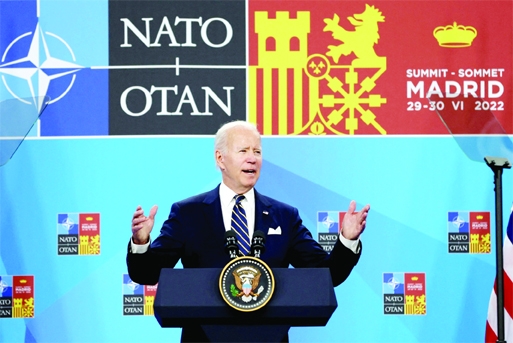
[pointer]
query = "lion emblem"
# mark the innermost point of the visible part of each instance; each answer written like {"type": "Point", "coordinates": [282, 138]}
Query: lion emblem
{"type": "Point", "coordinates": [361, 41]}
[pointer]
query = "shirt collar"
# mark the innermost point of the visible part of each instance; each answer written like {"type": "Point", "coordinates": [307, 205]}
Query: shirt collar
{"type": "Point", "coordinates": [227, 194]}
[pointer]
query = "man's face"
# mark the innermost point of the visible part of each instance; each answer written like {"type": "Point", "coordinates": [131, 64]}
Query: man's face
{"type": "Point", "coordinates": [242, 161]}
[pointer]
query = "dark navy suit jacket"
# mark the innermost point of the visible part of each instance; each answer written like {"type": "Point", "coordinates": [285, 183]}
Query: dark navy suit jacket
{"type": "Point", "coordinates": [194, 232]}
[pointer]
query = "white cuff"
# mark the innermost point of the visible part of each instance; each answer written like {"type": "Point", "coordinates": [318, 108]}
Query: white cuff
{"type": "Point", "coordinates": [139, 248]}
{"type": "Point", "coordinates": [350, 244]}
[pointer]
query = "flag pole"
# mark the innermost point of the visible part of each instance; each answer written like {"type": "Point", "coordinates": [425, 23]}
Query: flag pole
{"type": "Point", "coordinates": [497, 164]}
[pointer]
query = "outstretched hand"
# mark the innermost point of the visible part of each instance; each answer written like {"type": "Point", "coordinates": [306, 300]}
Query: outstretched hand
{"type": "Point", "coordinates": [142, 225]}
{"type": "Point", "coordinates": [354, 223]}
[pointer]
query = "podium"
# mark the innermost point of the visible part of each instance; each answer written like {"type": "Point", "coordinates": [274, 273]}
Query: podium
{"type": "Point", "coordinates": [189, 297]}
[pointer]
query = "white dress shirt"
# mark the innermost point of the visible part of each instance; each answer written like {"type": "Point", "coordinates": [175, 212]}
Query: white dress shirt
{"type": "Point", "coordinates": [227, 197]}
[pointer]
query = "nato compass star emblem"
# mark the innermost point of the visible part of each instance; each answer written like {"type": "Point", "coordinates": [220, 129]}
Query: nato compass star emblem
{"type": "Point", "coordinates": [133, 286]}
{"type": "Point", "coordinates": [458, 222]}
{"type": "Point", "coordinates": [328, 222]}
{"type": "Point", "coordinates": [393, 283]}
{"type": "Point", "coordinates": [38, 68]}
{"type": "Point", "coordinates": [68, 223]}
{"type": "Point", "coordinates": [3, 286]}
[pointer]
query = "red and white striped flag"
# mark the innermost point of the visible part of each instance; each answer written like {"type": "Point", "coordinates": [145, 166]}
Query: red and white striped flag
{"type": "Point", "coordinates": [491, 322]}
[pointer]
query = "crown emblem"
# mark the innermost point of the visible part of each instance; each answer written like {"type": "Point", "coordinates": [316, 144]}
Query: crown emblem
{"type": "Point", "coordinates": [479, 217]}
{"type": "Point", "coordinates": [455, 36]}
{"type": "Point", "coordinates": [415, 278]}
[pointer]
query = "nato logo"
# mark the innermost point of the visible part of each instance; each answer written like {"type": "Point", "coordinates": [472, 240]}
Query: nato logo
{"type": "Point", "coordinates": [458, 232]}
{"type": "Point", "coordinates": [44, 57]}
{"type": "Point", "coordinates": [137, 299]}
{"type": "Point", "coordinates": [328, 226]}
{"type": "Point", "coordinates": [16, 296]}
{"type": "Point", "coordinates": [78, 233]}
{"type": "Point", "coordinates": [404, 293]}
{"type": "Point", "coordinates": [67, 234]}
{"type": "Point", "coordinates": [5, 296]}
{"type": "Point", "coordinates": [469, 232]}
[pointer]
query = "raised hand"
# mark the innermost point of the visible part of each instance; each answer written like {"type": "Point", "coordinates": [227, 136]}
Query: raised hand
{"type": "Point", "coordinates": [354, 223]}
{"type": "Point", "coordinates": [142, 225]}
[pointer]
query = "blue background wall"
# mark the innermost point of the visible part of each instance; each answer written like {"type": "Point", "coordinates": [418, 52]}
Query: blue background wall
{"type": "Point", "coordinates": [79, 298]}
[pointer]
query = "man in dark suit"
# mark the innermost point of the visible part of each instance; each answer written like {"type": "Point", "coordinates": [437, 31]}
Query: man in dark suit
{"type": "Point", "coordinates": [194, 231]}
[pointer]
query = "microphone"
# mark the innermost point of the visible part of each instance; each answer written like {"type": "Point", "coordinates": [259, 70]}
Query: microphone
{"type": "Point", "coordinates": [230, 243]}
{"type": "Point", "coordinates": [258, 243]}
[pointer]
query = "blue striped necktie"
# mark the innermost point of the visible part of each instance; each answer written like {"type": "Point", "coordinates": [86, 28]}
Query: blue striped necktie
{"type": "Point", "coordinates": [240, 225]}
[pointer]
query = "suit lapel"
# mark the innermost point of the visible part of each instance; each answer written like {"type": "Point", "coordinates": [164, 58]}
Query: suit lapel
{"type": "Point", "coordinates": [263, 214]}
{"type": "Point", "coordinates": [213, 213]}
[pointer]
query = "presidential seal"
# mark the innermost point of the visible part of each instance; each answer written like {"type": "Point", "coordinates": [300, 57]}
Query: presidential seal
{"type": "Point", "coordinates": [246, 283]}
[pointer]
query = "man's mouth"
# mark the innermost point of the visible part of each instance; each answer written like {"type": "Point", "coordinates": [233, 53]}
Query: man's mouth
{"type": "Point", "coordinates": [249, 171]}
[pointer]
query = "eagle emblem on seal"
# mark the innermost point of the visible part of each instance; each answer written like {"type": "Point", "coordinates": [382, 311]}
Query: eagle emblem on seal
{"type": "Point", "coordinates": [247, 280]}
{"type": "Point", "coordinates": [246, 283]}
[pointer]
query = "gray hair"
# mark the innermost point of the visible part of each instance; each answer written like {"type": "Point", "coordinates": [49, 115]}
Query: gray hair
{"type": "Point", "coordinates": [221, 140]}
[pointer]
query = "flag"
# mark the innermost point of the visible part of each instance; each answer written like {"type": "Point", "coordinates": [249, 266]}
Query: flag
{"type": "Point", "coordinates": [491, 322]}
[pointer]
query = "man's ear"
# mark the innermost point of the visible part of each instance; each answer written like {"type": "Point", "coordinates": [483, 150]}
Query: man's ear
{"type": "Point", "coordinates": [219, 160]}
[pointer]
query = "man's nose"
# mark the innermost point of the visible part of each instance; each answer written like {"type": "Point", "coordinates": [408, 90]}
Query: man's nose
{"type": "Point", "coordinates": [252, 157]}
